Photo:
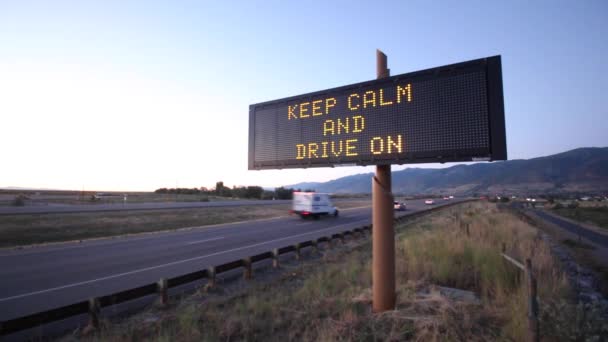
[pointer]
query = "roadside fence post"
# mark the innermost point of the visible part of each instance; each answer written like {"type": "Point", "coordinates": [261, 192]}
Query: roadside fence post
{"type": "Point", "coordinates": [468, 232]}
{"type": "Point", "coordinates": [533, 327]}
{"type": "Point", "coordinates": [248, 271]}
{"type": "Point", "coordinates": [297, 247]}
{"type": "Point", "coordinates": [162, 291]}
{"type": "Point", "coordinates": [94, 309]}
{"type": "Point", "coordinates": [211, 275]}
{"type": "Point", "coordinates": [315, 246]}
{"type": "Point", "coordinates": [504, 248]}
{"type": "Point", "coordinates": [342, 238]}
{"type": "Point", "coordinates": [275, 258]}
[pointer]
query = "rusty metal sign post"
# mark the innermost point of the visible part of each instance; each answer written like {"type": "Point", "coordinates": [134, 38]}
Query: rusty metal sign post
{"type": "Point", "coordinates": [383, 238]}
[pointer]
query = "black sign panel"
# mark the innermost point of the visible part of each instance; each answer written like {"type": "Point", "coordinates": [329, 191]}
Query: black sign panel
{"type": "Point", "coordinates": [449, 113]}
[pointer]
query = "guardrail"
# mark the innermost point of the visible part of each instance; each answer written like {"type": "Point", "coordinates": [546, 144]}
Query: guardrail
{"type": "Point", "coordinates": [93, 306]}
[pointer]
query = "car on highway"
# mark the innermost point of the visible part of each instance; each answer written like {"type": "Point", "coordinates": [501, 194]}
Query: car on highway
{"type": "Point", "coordinates": [399, 206]}
{"type": "Point", "coordinates": [429, 202]}
{"type": "Point", "coordinates": [312, 204]}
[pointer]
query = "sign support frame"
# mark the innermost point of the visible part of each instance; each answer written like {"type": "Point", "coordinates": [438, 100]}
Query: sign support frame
{"type": "Point", "coordinates": [383, 233]}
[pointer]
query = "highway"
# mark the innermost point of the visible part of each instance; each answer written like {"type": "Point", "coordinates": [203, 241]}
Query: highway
{"type": "Point", "coordinates": [572, 227]}
{"type": "Point", "coordinates": [41, 278]}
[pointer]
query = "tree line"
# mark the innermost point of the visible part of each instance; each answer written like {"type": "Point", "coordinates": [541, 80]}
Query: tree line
{"type": "Point", "coordinates": [221, 190]}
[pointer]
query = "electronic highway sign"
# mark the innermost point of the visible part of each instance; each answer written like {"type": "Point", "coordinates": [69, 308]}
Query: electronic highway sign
{"type": "Point", "coordinates": [444, 114]}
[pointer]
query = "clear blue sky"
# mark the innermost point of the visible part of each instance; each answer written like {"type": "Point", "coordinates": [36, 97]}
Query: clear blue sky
{"type": "Point", "coordinates": [136, 95]}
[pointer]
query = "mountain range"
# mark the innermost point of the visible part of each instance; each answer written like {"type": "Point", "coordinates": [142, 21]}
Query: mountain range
{"type": "Point", "coordinates": [577, 171]}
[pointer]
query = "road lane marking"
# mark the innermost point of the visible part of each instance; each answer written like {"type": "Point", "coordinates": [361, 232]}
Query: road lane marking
{"type": "Point", "coordinates": [206, 240]}
{"type": "Point", "coordinates": [171, 263]}
{"type": "Point", "coordinates": [303, 223]}
{"type": "Point", "coordinates": [353, 208]}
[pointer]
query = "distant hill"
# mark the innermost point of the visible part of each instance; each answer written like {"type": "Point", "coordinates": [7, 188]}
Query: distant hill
{"type": "Point", "coordinates": [580, 170]}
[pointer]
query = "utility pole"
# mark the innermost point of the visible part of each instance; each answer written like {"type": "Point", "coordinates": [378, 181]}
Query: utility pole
{"type": "Point", "coordinates": [383, 236]}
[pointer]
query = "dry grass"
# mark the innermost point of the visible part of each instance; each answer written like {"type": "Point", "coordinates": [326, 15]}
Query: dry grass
{"type": "Point", "coordinates": [439, 251]}
{"type": "Point", "coordinates": [329, 299]}
{"type": "Point", "coordinates": [16, 230]}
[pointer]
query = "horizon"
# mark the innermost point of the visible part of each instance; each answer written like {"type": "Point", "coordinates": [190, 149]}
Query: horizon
{"type": "Point", "coordinates": [139, 96]}
{"type": "Point", "coordinates": [27, 188]}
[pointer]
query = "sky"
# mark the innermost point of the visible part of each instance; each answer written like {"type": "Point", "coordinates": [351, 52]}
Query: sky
{"type": "Point", "coordinates": [138, 95]}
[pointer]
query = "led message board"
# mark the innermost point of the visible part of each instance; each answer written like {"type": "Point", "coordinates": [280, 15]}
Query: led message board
{"type": "Point", "coordinates": [444, 114]}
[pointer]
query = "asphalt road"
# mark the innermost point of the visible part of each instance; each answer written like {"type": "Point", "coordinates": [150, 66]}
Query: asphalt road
{"type": "Point", "coordinates": [574, 228]}
{"type": "Point", "coordinates": [42, 278]}
{"type": "Point", "coordinates": [82, 208]}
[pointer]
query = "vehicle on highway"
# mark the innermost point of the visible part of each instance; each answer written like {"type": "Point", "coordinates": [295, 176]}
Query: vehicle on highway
{"type": "Point", "coordinates": [399, 206]}
{"type": "Point", "coordinates": [313, 204]}
{"type": "Point", "coordinates": [429, 202]}
{"type": "Point", "coordinates": [104, 195]}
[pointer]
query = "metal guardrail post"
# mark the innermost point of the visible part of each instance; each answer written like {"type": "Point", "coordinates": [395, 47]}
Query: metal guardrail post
{"type": "Point", "coordinates": [533, 326]}
{"type": "Point", "coordinates": [94, 309]}
{"type": "Point", "coordinates": [211, 276]}
{"type": "Point", "coordinates": [298, 255]}
{"type": "Point", "coordinates": [504, 248]}
{"type": "Point", "coordinates": [162, 292]}
{"type": "Point", "coordinates": [275, 258]}
{"type": "Point", "coordinates": [315, 246]}
{"type": "Point", "coordinates": [342, 238]}
{"type": "Point", "coordinates": [248, 269]}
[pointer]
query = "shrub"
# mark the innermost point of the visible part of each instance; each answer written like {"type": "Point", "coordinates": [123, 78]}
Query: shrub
{"type": "Point", "coordinates": [283, 193]}
{"type": "Point", "coordinates": [19, 201]}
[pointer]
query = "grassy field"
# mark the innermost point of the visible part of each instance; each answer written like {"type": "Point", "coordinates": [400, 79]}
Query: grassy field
{"type": "Point", "coordinates": [20, 230]}
{"type": "Point", "coordinates": [597, 215]}
{"type": "Point", "coordinates": [328, 299]}
{"type": "Point", "coordinates": [36, 198]}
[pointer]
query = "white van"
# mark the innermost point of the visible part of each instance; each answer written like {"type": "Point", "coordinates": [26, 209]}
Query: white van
{"type": "Point", "coordinates": [312, 204]}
